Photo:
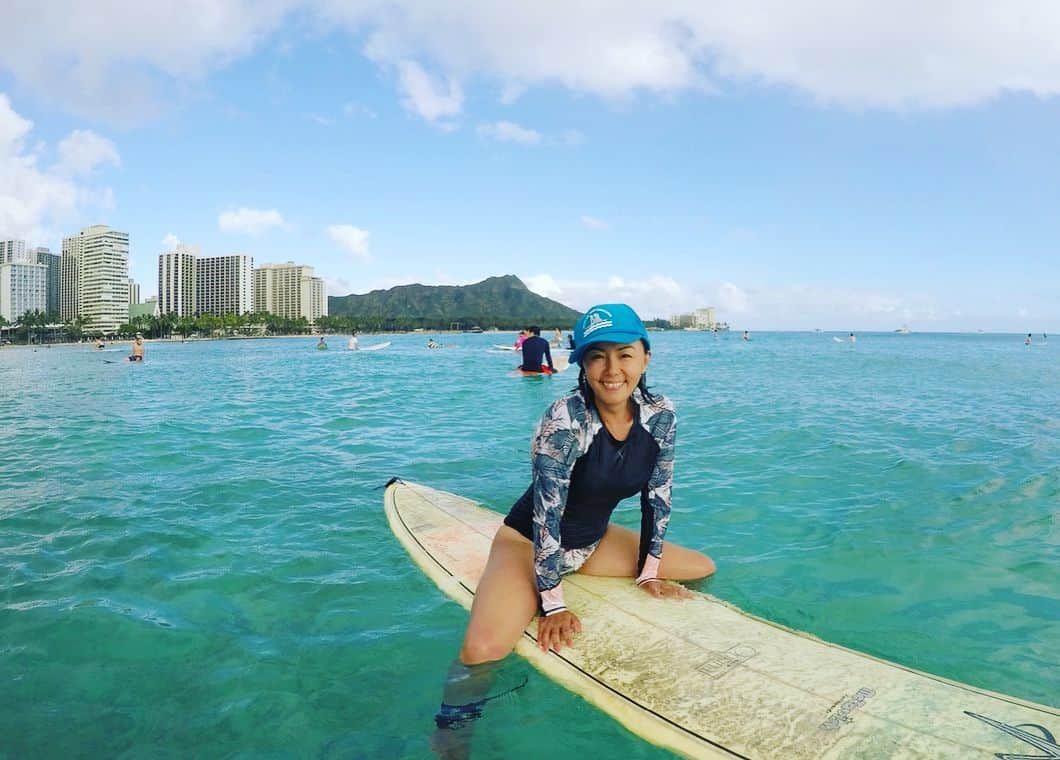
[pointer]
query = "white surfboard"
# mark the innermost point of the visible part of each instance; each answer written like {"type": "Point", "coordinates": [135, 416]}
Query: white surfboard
{"type": "Point", "coordinates": [376, 347]}
{"type": "Point", "coordinates": [704, 679]}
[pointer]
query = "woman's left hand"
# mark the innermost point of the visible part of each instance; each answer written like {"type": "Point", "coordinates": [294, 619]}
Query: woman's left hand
{"type": "Point", "coordinates": [661, 588]}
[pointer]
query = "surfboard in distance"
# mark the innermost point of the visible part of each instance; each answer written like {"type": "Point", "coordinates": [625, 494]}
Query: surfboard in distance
{"type": "Point", "coordinates": [376, 347]}
{"type": "Point", "coordinates": [704, 679]}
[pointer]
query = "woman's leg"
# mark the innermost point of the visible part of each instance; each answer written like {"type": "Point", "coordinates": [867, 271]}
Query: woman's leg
{"type": "Point", "coordinates": [619, 548]}
{"type": "Point", "coordinates": [505, 601]}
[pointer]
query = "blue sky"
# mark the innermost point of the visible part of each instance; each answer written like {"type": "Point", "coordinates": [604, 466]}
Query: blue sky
{"type": "Point", "coordinates": [839, 165]}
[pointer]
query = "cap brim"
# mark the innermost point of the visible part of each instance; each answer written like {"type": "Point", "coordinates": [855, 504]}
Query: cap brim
{"type": "Point", "coordinates": [614, 337]}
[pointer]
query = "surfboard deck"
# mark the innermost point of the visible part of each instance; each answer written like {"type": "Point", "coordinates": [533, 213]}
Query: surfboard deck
{"type": "Point", "coordinates": [704, 679]}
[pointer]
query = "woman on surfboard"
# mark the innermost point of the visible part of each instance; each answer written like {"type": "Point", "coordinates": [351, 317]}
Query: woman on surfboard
{"type": "Point", "coordinates": [606, 441]}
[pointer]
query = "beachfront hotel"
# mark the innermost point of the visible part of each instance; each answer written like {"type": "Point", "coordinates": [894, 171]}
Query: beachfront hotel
{"type": "Point", "coordinates": [12, 250]}
{"type": "Point", "coordinates": [94, 278]}
{"type": "Point", "coordinates": [290, 290]}
{"type": "Point", "coordinates": [223, 284]}
{"type": "Point", "coordinates": [191, 285]}
{"type": "Point", "coordinates": [19, 292]}
{"type": "Point", "coordinates": [53, 262]}
{"type": "Point", "coordinates": [176, 281]}
{"type": "Point", "coordinates": [23, 287]}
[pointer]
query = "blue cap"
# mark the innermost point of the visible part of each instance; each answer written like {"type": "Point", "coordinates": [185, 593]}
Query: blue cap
{"type": "Point", "coordinates": [607, 323]}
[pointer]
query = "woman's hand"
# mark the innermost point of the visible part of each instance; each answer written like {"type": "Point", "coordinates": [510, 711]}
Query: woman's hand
{"type": "Point", "coordinates": [556, 630]}
{"type": "Point", "coordinates": [661, 588]}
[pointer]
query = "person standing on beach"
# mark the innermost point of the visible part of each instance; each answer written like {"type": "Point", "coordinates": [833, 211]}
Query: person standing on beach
{"type": "Point", "coordinates": [536, 353]}
{"type": "Point", "coordinates": [137, 354]}
{"type": "Point", "coordinates": [609, 439]}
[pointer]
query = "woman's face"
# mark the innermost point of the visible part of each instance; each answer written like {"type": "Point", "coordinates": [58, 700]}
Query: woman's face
{"type": "Point", "coordinates": [613, 371]}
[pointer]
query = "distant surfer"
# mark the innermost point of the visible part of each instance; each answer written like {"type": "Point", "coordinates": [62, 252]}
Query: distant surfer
{"type": "Point", "coordinates": [746, 335]}
{"type": "Point", "coordinates": [852, 338]}
{"type": "Point", "coordinates": [537, 357]}
{"type": "Point", "coordinates": [557, 338]}
{"type": "Point", "coordinates": [432, 344]}
{"type": "Point", "coordinates": [137, 354]}
{"type": "Point", "coordinates": [352, 345]}
{"type": "Point", "coordinates": [322, 345]}
{"type": "Point", "coordinates": [100, 345]}
{"type": "Point", "coordinates": [523, 335]}
{"type": "Point", "coordinates": [607, 440]}
{"type": "Point", "coordinates": [1027, 341]}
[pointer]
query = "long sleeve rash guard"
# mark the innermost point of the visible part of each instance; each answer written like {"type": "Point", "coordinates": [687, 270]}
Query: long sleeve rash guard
{"type": "Point", "coordinates": [580, 473]}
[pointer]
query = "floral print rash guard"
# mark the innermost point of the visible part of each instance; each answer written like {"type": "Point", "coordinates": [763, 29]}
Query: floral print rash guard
{"type": "Point", "coordinates": [581, 473]}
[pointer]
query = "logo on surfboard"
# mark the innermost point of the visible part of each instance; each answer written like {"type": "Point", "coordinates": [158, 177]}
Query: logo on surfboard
{"type": "Point", "coordinates": [1046, 742]}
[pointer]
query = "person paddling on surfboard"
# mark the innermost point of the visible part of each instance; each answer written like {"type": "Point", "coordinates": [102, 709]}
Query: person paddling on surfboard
{"type": "Point", "coordinates": [537, 356]}
{"type": "Point", "coordinates": [606, 441]}
{"type": "Point", "coordinates": [137, 354]}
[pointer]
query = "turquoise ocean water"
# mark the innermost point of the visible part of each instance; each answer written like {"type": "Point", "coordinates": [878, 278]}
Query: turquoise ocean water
{"type": "Point", "coordinates": [194, 560]}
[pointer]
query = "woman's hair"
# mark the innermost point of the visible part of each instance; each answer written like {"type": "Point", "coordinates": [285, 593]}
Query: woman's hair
{"type": "Point", "coordinates": [587, 391]}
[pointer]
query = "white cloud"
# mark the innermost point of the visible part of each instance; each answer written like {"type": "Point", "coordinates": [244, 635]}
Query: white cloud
{"type": "Point", "coordinates": [84, 150]}
{"type": "Point", "coordinates": [352, 239]}
{"type": "Point", "coordinates": [37, 201]}
{"type": "Point", "coordinates": [732, 298]}
{"type": "Point", "coordinates": [338, 286]}
{"type": "Point", "coordinates": [170, 242]}
{"type": "Point", "coordinates": [121, 61]}
{"type": "Point", "coordinates": [655, 296]}
{"type": "Point", "coordinates": [506, 131]}
{"type": "Point", "coordinates": [429, 97]}
{"type": "Point", "coordinates": [251, 221]}
{"type": "Point", "coordinates": [592, 223]}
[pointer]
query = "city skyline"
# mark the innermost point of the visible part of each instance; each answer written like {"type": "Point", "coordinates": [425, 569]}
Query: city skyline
{"type": "Point", "coordinates": [805, 169]}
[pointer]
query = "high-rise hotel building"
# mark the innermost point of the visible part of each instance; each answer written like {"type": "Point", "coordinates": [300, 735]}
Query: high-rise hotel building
{"type": "Point", "coordinates": [289, 290]}
{"type": "Point", "coordinates": [189, 284]}
{"type": "Point", "coordinates": [176, 281]}
{"type": "Point", "coordinates": [224, 284]}
{"type": "Point", "coordinates": [12, 250]}
{"type": "Point", "coordinates": [94, 281]}
{"type": "Point", "coordinates": [54, 263]}
{"type": "Point", "coordinates": [23, 287]}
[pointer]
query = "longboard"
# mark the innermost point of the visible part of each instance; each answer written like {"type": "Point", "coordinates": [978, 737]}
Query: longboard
{"type": "Point", "coordinates": [706, 680]}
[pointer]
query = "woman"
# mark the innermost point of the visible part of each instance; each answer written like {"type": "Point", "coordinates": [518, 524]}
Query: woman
{"type": "Point", "coordinates": [608, 440]}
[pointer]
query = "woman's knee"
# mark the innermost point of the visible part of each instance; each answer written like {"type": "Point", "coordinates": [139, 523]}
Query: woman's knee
{"type": "Point", "coordinates": [703, 566]}
{"type": "Point", "coordinates": [478, 649]}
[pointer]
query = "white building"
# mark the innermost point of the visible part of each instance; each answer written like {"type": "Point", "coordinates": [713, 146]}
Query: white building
{"type": "Point", "coordinates": [176, 281]}
{"type": "Point", "coordinates": [703, 319]}
{"type": "Point", "coordinates": [134, 291]}
{"type": "Point", "coordinates": [290, 290]}
{"type": "Point", "coordinates": [224, 284]}
{"type": "Point", "coordinates": [95, 277]}
{"type": "Point", "coordinates": [23, 287]}
{"type": "Point", "coordinates": [12, 250]}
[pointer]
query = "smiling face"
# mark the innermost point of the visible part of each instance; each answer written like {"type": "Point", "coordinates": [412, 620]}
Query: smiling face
{"type": "Point", "coordinates": [613, 371]}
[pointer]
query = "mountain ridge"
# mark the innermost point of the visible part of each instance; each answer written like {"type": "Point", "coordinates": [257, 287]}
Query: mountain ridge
{"type": "Point", "coordinates": [503, 302]}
